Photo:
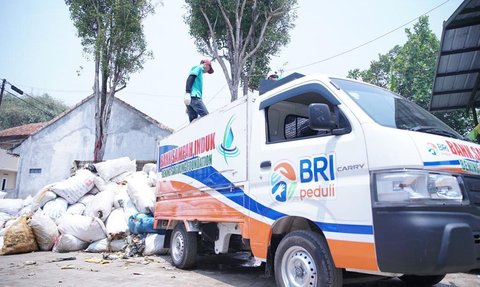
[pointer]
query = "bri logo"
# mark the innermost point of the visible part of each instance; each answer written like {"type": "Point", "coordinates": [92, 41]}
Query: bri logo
{"type": "Point", "coordinates": [432, 148]}
{"type": "Point", "coordinates": [283, 181]}
{"type": "Point", "coordinates": [228, 148]}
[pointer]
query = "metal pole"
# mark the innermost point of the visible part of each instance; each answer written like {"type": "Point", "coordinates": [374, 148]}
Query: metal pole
{"type": "Point", "coordinates": [474, 113]}
{"type": "Point", "coordinates": [1, 91]}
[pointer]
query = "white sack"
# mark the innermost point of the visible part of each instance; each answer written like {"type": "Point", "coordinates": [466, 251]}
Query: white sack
{"type": "Point", "coordinates": [100, 183]}
{"type": "Point", "coordinates": [28, 200]}
{"type": "Point", "coordinates": [67, 243]}
{"type": "Point", "coordinates": [116, 225]}
{"type": "Point", "coordinates": [104, 245]}
{"type": "Point", "coordinates": [98, 246]}
{"type": "Point", "coordinates": [43, 196]}
{"type": "Point", "coordinates": [1, 242]}
{"type": "Point", "coordinates": [121, 196]}
{"type": "Point", "coordinates": [116, 245]}
{"type": "Point", "coordinates": [148, 167]}
{"type": "Point", "coordinates": [102, 203]}
{"type": "Point", "coordinates": [27, 210]}
{"type": "Point", "coordinates": [154, 244]}
{"type": "Point", "coordinates": [76, 186]}
{"type": "Point", "coordinates": [45, 231]}
{"type": "Point", "coordinates": [141, 193]}
{"type": "Point", "coordinates": [77, 208]}
{"type": "Point", "coordinates": [111, 168]}
{"type": "Point", "coordinates": [86, 199]}
{"type": "Point", "coordinates": [152, 178]}
{"type": "Point", "coordinates": [47, 196]}
{"type": "Point", "coordinates": [55, 208]}
{"type": "Point", "coordinates": [11, 205]}
{"type": "Point", "coordinates": [2, 194]}
{"type": "Point", "coordinates": [86, 228]}
{"type": "Point", "coordinates": [9, 222]}
{"type": "Point", "coordinates": [94, 191]}
{"type": "Point", "coordinates": [122, 177]}
{"type": "Point", "coordinates": [129, 209]}
{"type": "Point", "coordinates": [4, 217]}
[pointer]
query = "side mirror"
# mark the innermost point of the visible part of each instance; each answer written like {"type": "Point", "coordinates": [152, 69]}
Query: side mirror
{"type": "Point", "coordinates": [320, 117]}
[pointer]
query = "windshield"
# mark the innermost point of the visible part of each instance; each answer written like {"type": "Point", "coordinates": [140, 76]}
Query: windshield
{"type": "Point", "coordinates": [391, 110]}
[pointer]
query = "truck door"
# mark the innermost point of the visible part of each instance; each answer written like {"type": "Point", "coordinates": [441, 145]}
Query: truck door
{"type": "Point", "coordinates": [316, 175]}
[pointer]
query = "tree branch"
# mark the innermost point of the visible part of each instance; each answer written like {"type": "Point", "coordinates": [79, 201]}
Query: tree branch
{"type": "Point", "coordinates": [213, 50]}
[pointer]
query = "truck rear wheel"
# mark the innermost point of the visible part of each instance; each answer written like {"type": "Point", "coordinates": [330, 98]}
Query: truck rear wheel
{"type": "Point", "coordinates": [303, 259]}
{"type": "Point", "coordinates": [421, 281]}
{"type": "Point", "coordinates": [183, 247]}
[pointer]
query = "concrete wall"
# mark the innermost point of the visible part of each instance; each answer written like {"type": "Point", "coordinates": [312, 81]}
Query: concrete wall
{"type": "Point", "coordinates": [7, 161]}
{"type": "Point", "coordinates": [47, 157]}
{"type": "Point", "coordinates": [8, 172]}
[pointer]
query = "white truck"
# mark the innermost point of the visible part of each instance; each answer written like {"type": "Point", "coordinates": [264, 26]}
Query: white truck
{"type": "Point", "coordinates": [318, 176]}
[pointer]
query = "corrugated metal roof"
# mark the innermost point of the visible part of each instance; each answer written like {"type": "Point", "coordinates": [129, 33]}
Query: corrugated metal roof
{"type": "Point", "coordinates": [457, 79]}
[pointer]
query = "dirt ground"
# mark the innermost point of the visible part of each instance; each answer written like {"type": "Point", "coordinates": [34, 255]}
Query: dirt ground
{"type": "Point", "coordinates": [92, 269]}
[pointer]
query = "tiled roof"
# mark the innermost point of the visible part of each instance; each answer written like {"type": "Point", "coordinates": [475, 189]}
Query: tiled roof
{"type": "Point", "coordinates": [25, 130]}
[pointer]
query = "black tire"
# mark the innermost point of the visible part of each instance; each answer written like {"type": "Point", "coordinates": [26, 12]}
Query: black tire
{"type": "Point", "coordinates": [421, 281]}
{"type": "Point", "coordinates": [183, 247]}
{"type": "Point", "coordinates": [303, 259]}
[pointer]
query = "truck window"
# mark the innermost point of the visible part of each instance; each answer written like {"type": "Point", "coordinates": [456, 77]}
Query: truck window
{"type": "Point", "coordinates": [392, 110]}
{"type": "Point", "coordinates": [297, 126]}
{"type": "Point", "coordinates": [288, 119]}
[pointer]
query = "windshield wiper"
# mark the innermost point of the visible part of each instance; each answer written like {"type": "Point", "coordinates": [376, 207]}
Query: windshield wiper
{"type": "Point", "coordinates": [434, 130]}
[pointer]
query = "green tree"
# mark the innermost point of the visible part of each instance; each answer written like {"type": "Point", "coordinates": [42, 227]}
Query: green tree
{"type": "Point", "coordinates": [243, 34]}
{"type": "Point", "coordinates": [409, 71]}
{"type": "Point", "coordinates": [379, 72]}
{"type": "Point", "coordinates": [16, 112]}
{"type": "Point", "coordinates": [112, 32]}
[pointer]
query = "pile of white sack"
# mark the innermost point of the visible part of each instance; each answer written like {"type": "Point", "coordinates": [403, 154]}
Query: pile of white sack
{"type": "Point", "coordinates": [98, 209]}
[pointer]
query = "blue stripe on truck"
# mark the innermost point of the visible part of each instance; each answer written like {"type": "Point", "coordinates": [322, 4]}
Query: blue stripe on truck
{"type": "Point", "coordinates": [210, 177]}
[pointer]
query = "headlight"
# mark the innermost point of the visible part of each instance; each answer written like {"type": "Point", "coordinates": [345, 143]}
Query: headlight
{"type": "Point", "coordinates": [417, 187]}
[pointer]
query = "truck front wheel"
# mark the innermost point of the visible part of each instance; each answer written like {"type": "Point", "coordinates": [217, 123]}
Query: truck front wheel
{"type": "Point", "coordinates": [183, 247]}
{"type": "Point", "coordinates": [303, 259]}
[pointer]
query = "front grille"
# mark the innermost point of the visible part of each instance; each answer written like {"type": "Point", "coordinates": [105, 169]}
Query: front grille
{"type": "Point", "coordinates": [476, 240]}
{"type": "Point", "coordinates": [472, 185]}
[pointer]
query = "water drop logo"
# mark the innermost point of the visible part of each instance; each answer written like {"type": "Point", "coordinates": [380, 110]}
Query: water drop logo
{"type": "Point", "coordinates": [228, 148]}
{"type": "Point", "coordinates": [283, 181]}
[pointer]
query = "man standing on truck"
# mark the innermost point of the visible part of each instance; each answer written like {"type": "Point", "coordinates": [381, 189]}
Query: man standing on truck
{"type": "Point", "coordinates": [193, 91]}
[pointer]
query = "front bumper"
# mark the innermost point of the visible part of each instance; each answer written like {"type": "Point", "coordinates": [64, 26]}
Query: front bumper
{"type": "Point", "coordinates": [428, 240]}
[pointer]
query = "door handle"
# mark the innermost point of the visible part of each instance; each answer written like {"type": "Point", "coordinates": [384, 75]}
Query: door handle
{"type": "Point", "coordinates": [265, 164]}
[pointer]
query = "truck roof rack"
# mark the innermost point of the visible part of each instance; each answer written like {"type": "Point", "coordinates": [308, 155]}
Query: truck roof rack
{"type": "Point", "coordinates": [267, 85]}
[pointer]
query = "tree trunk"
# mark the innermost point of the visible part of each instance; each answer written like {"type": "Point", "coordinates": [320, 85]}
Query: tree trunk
{"type": "Point", "coordinates": [98, 112]}
{"type": "Point", "coordinates": [105, 107]}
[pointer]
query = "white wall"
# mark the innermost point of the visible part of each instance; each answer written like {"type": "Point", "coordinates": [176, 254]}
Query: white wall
{"type": "Point", "coordinates": [7, 161]}
{"type": "Point", "coordinates": [53, 149]}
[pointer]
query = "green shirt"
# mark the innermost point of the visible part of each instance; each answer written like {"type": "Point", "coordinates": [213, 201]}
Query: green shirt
{"type": "Point", "coordinates": [198, 83]}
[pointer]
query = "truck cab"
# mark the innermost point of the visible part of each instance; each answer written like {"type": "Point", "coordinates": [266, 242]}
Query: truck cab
{"type": "Point", "coordinates": [320, 175]}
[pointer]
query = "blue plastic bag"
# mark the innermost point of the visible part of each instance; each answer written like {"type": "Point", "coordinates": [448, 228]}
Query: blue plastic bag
{"type": "Point", "coordinates": [142, 223]}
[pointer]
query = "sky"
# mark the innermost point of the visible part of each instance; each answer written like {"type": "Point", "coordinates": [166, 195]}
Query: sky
{"type": "Point", "coordinates": [41, 53]}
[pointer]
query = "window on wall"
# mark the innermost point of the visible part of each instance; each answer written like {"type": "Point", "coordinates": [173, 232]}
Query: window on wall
{"type": "Point", "coordinates": [288, 119]}
{"type": "Point", "coordinates": [35, 170]}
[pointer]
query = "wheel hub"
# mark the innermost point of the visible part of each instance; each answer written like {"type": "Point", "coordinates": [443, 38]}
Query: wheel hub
{"type": "Point", "coordinates": [298, 268]}
{"type": "Point", "coordinates": [178, 247]}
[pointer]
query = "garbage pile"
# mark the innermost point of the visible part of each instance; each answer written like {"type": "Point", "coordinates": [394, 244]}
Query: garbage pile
{"type": "Point", "coordinates": [103, 207]}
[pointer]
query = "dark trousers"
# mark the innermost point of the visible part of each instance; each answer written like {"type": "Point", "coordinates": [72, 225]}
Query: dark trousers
{"type": "Point", "coordinates": [196, 109]}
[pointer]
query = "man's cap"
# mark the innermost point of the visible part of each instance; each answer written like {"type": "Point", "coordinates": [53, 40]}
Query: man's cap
{"type": "Point", "coordinates": [207, 61]}
{"type": "Point", "coordinates": [273, 76]}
